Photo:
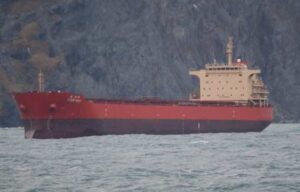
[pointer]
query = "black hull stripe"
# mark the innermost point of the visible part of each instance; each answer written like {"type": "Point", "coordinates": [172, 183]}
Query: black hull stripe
{"type": "Point", "coordinates": [77, 128]}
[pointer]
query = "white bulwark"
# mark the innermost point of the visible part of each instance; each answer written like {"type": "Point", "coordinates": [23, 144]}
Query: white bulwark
{"type": "Point", "coordinates": [231, 82]}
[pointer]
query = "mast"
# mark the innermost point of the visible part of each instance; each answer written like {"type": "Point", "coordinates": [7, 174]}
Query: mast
{"type": "Point", "coordinates": [41, 81]}
{"type": "Point", "coordinates": [229, 49]}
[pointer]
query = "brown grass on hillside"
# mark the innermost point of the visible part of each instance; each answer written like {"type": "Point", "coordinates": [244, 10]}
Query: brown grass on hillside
{"type": "Point", "coordinates": [43, 62]}
{"type": "Point", "coordinates": [29, 31]}
{"type": "Point", "coordinates": [23, 6]}
{"type": "Point", "coordinates": [26, 35]}
{"type": "Point", "coordinates": [32, 45]}
{"type": "Point", "coordinates": [38, 46]}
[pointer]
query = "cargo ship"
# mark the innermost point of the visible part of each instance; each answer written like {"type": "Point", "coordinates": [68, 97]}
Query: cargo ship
{"type": "Point", "coordinates": [231, 97]}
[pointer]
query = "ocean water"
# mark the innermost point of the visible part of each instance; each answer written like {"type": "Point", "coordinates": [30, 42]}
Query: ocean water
{"type": "Point", "coordinates": [267, 161]}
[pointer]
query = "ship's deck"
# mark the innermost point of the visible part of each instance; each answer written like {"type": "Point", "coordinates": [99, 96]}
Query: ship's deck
{"type": "Point", "coordinates": [158, 101]}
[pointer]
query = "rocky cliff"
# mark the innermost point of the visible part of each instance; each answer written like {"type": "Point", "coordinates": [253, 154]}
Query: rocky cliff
{"type": "Point", "coordinates": [133, 48]}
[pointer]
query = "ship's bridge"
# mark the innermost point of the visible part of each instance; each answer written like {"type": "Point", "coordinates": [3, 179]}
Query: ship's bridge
{"type": "Point", "coordinates": [231, 82]}
{"type": "Point", "coordinates": [239, 65]}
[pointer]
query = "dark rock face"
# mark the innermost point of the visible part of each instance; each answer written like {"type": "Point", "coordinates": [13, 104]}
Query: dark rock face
{"type": "Point", "coordinates": [134, 48]}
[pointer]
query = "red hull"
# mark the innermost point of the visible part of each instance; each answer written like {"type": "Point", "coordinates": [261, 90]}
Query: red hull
{"type": "Point", "coordinates": [63, 115]}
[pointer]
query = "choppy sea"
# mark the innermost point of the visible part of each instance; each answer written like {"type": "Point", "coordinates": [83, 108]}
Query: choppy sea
{"type": "Point", "coordinates": [247, 162]}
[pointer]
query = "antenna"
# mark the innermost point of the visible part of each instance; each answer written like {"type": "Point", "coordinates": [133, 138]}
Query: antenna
{"type": "Point", "coordinates": [41, 81]}
{"type": "Point", "coordinates": [229, 49]}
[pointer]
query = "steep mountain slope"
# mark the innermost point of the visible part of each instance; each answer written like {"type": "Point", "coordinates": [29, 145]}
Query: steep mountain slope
{"type": "Point", "coordinates": [133, 48]}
